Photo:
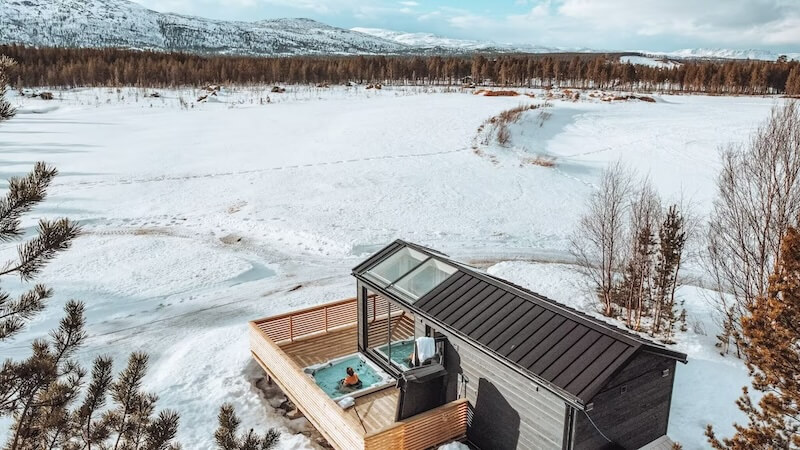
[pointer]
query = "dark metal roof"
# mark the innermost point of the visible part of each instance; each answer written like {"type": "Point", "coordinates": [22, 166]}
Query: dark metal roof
{"type": "Point", "coordinates": [566, 349]}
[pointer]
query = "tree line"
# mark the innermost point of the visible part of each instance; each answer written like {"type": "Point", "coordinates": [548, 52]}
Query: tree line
{"type": "Point", "coordinates": [69, 67]}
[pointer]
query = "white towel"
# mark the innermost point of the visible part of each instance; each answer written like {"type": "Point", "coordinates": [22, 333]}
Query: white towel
{"type": "Point", "coordinates": [426, 348]}
{"type": "Point", "coordinates": [347, 402]}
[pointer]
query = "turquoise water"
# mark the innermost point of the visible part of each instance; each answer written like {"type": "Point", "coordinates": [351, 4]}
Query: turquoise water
{"type": "Point", "coordinates": [401, 352]}
{"type": "Point", "coordinates": [328, 377]}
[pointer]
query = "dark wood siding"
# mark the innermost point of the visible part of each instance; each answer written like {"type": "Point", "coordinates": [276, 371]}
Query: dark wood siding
{"type": "Point", "coordinates": [632, 409]}
{"type": "Point", "coordinates": [510, 410]}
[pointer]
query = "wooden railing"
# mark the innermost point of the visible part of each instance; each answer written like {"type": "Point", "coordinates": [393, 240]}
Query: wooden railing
{"type": "Point", "coordinates": [310, 321]}
{"type": "Point", "coordinates": [339, 428]}
{"type": "Point", "coordinates": [322, 319]}
{"type": "Point", "coordinates": [437, 426]}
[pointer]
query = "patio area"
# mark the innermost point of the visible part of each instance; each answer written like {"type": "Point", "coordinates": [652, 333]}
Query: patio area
{"type": "Point", "coordinates": [285, 344]}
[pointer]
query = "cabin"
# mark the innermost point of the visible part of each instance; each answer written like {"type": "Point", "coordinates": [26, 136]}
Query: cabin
{"type": "Point", "coordinates": [446, 352]}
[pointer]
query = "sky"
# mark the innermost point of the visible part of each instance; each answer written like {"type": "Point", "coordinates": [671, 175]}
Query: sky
{"type": "Point", "coordinates": [657, 25]}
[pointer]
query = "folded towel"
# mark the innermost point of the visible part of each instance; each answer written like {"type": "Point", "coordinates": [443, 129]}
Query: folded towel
{"type": "Point", "coordinates": [347, 402]}
{"type": "Point", "coordinates": [426, 348]}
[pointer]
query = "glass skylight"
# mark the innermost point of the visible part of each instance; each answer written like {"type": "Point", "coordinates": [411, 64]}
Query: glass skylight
{"type": "Point", "coordinates": [423, 279]}
{"type": "Point", "coordinates": [397, 265]}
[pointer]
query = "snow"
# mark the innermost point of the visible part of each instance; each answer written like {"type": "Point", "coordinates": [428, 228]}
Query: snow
{"type": "Point", "coordinates": [454, 446]}
{"type": "Point", "coordinates": [121, 23]}
{"type": "Point", "coordinates": [649, 61]}
{"type": "Point", "coordinates": [198, 220]}
{"type": "Point", "coordinates": [726, 53]}
{"type": "Point", "coordinates": [422, 40]}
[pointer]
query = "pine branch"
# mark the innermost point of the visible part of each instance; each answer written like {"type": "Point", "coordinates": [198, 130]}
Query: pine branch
{"type": "Point", "coordinates": [14, 314]}
{"type": "Point", "coordinates": [126, 393]}
{"type": "Point", "coordinates": [53, 237]}
{"type": "Point", "coordinates": [162, 431]}
{"type": "Point", "coordinates": [6, 110]}
{"type": "Point", "coordinates": [92, 431]}
{"type": "Point", "coordinates": [225, 436]}
{"type": "Point", "coordinates": [23, 194]}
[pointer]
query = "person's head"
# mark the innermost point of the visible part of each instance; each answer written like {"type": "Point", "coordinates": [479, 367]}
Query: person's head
{"type": "Point", "coordinates": [350, 371]}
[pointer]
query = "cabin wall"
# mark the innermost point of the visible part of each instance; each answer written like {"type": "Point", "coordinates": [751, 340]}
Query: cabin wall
{"type": "Point", "coordinates": [633, 407]}
{"type": "Point", "coordinates": [510, 410]}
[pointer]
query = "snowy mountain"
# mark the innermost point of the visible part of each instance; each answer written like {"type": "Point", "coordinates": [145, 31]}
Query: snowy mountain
{"type": "Point", "coordinates": [120, 23]}
{"type": "Point", "coordinates": [724, 53]}
{"type": "Point", "coordinates": [430, 41]}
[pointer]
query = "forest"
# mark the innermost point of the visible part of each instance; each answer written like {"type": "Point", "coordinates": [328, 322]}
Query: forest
{"type": "Point", "coordinates": [71, 67]}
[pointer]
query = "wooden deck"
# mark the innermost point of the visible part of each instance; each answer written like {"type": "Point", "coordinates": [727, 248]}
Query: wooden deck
{"type": "Point", "coordinates": [283, 345]}
{"type": "Point", "coordinates": [375, 410]}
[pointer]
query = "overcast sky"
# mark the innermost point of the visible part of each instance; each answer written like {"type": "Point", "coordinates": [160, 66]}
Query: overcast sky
{"type": "Point", "coordinates": [600, 24]}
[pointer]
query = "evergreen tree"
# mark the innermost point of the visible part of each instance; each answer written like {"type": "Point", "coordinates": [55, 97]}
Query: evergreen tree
{"type": "Point", "coordinates": [227, 437]}
{"type": "Point", "coordinates": [773, 357]}
{"type": "Point", "coordinates": [6, 110]}
{"type": "Point", "coordinates": [671, 240]}
{"type": "Point", "coordinates": [632, 294]}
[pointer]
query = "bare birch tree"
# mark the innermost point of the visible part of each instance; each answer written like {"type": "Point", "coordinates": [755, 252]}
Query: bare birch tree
{"type": "Point", "coordinates": [599, 241]}
{"type": "Point", "coordinates": [758, 198]}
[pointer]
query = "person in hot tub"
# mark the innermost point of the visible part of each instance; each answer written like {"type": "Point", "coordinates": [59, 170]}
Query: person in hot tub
{"type": "Point", "coordinates": [351, 381]}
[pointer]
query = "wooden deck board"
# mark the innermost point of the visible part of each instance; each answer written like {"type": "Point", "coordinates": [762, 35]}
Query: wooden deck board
{"type": "Point", "coordinates": [376, 410]}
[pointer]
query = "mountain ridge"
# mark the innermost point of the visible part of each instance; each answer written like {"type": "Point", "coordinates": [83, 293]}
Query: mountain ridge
{"type": "Point", "coordinates": [125, 24]}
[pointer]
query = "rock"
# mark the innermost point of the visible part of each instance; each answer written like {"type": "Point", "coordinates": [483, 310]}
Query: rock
{"type": "Point", "coordinates": [294, 414]}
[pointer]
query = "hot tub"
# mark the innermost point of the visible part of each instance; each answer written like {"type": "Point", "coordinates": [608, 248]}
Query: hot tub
{"type": "Point", "coordinates": [327, 376]}
{"type": "Point", "coordinates": [401, 353]}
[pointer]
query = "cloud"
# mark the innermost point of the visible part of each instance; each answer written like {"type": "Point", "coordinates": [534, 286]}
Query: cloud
{"type": "Point", "coordinates": [734, 22]}
{"type": "Point", "coordinates": [599, 24]}
{"type": "Point", "coordinates": [634, 24]}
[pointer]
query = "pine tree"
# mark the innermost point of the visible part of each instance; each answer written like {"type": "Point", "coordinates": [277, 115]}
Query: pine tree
{"type": "Point", "coordinates": [39, 392]}
{"type": "Point", "coordinates": [793, 82]}
{"type": "Point", "coordinates": [632, 294]}
{"type": "Point", "coordinates": [227, 437]}
{"type": "Point", "coordinates": [6, 110]}
{"type": "Point", "coordinates": [773, 358]}
{"type": "Point", "coordinates": [671, 240]}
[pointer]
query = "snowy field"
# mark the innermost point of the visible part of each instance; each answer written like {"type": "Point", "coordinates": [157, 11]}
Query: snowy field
{"type": "Point", "coordinates": [201, 217]}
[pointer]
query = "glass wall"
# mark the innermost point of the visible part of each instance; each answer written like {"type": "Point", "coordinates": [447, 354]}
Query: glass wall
{"type": "Point", "coordinates": [390, 331]}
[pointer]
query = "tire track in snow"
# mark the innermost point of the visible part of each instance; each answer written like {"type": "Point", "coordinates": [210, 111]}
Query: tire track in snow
{"type": "Point", "coordinates": [246, 172]}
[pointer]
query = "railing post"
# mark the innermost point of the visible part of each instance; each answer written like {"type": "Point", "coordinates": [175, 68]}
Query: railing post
{"type": "Point", "coordinates": [326, 319]}
{"type": "Point", "coordinates": [291, 332]}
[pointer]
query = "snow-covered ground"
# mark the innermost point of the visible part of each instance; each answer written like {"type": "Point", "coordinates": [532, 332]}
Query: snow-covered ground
{"type": "Point", "coordinates": [649, 61]}
{"type": "Point", "coordinates": [198, 219]}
